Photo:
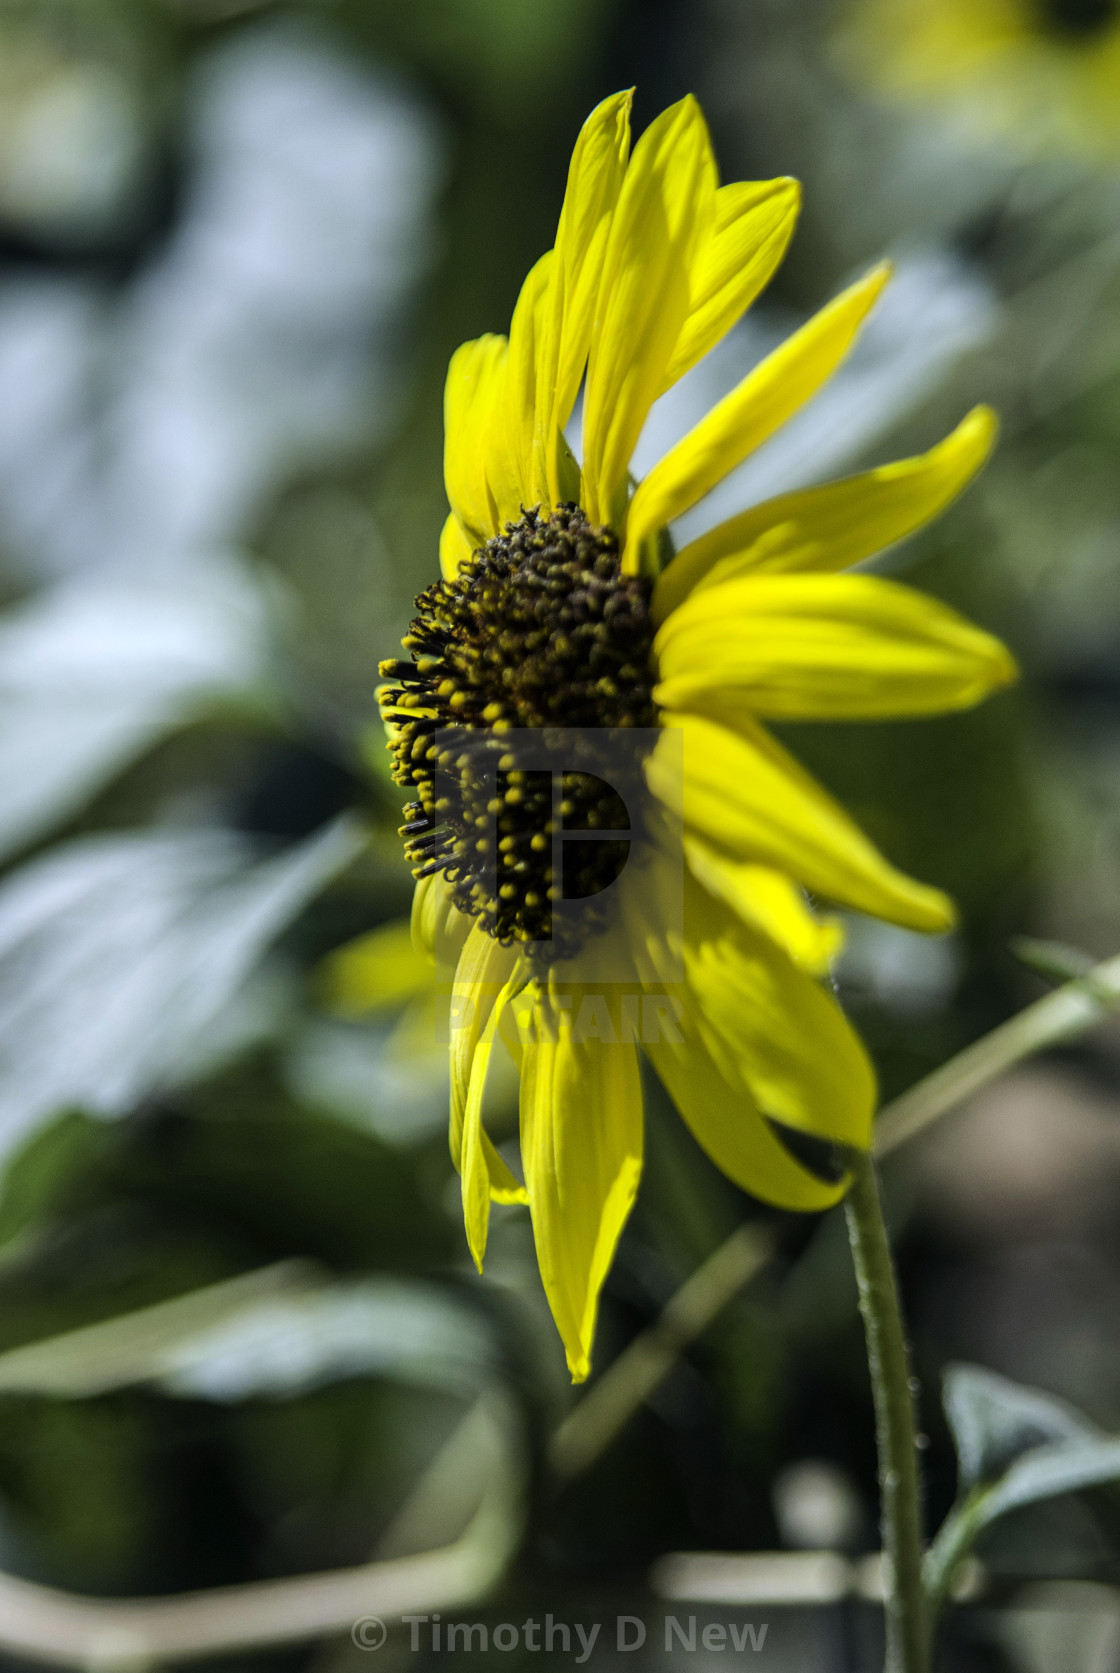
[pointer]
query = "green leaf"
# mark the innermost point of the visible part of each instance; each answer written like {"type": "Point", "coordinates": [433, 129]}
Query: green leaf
{"type": "Point", "coordinates": [93, 673]}
{"type": "Point", "coordinates": [122, 957]}
{"type": "Point", "coordinates": [1016, 1446]}
{"type": "Point", "coordinates": [994, 1421]}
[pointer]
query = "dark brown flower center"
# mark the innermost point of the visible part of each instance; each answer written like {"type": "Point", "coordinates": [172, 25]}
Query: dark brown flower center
{"type": "Point", "coordinates": [520, 670]}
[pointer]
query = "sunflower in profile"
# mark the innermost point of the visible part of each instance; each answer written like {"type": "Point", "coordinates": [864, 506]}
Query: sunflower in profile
{"type": "Point", "coordinates": [1044, 74]}
{"type": "Point", "coordinates": [609, 844]}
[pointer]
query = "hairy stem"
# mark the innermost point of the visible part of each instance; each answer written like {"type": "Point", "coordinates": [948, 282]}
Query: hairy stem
{"type": "Point", "coordinates": [900, 1496]}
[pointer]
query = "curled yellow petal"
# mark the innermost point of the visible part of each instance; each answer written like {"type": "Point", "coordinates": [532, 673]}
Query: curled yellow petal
{"type": "Point", "coordinates": [769, 901]}
{"type": "Point", "coordinates": [751, 1037]}
{"type": "Point", "coordinates": [757, 407]}
{"type": "Point", "coordinates": [485, 1176]}
{"type": "Point", "coordinates": [824, 647]}
{"type": "Point", "coordinates": [749, 799]}
{"type": "Point", "coordinates": [438, 928]}
{"type": "Point", "coordinates": [484, 968]}
{"type": "Point", "coordinates": [475, 378]}
{"type": "Point", "coordinates": [825, 529]}
{"type": "Point", "coordinates": [774, 1026]}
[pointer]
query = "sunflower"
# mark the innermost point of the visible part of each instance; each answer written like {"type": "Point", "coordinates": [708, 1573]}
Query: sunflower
{"type": "Point", "coordinates": [562, 614]}
{"type": "Point", "coordinates": [1042, 73]}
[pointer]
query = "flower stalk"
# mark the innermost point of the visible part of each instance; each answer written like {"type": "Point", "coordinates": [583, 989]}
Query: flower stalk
{"type": "Point", "coordinates": [907, 1630]}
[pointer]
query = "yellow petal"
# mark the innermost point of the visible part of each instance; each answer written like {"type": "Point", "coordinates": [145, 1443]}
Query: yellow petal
{"type": "Point", "coordinates": [454, 548]}
{"type": "Point", "coordinates": [757, 407]}
{"type": "Point", "coordinates": [663, 210]}
{"type": "Point", "coordinates": [769, 901]}
{"type": "Point", "coordinates": [377, 971]}
{"type": "Point", "coordinates": [751, 227]}
{"type": "Point", "coordinates": [772, 1026]}
{"type": "Point", "coordinates": [727, 1125]}
{"type": "Point", "coordinates": [751, 1034]}
{"type": "Point", "coordinates": [581, 1143]}
{"type": "Point", "coordinates": [829, 528]}
{"type": "Point", "coordinates": [484, 968]}
{"type": "Point", "coordinates": [824, 647]}
{"type": "Point", "coordinates": [439, 929]}
{"type": "Point", "coordinates": [595, 178]}
{"type": "Point", "coordinates": [485, 1175]}
{"type": "Point", "coordinates": [750, 799]}
{"type": "Point", "coordinates": [474, 380]}
{"type": "Point", "coordinates": [775, 1026]}
{"type": "Point", "coordinates": [513, 468]}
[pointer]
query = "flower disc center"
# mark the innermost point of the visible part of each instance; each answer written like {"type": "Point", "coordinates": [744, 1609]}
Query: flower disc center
{"type": "Point", "coordinates": [540, 629]}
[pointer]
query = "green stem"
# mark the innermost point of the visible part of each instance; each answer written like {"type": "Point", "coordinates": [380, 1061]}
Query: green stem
{"type": "Point", "coordinates": [900, 1496]}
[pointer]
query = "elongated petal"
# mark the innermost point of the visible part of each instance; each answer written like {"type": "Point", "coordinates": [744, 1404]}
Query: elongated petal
{"type": "Point", "coordinates": [726, 1124]}
{"type": "Point", "coordinates": [751, 227]}
{"type": "Point", "coordinates": [484, 968]}
{"type": "Point", "coordinates": [662, 212]}
{"type": "Point", "coordinates": [474, 380]}
{"type": "Point", "coordinates": [454, 548]}
{"type": "Point", "coordinates": [581, 1143]}
{"type": "Point", "coordinates": [747, 797]}
{"type": "Point", "coordinates": [512, 466]}
{"type": "Point", "coordinates": [485, 1176]}
{"type": "Point", "coordinates": [377, 971]}
{"type": "Point", "coordinates": [824, 647]}
{"type": "Point", "coordinates": [768, 1022]}
{"type": "Point", "coordinates": [756, 408]}
{"type": "Point", "coordinates": [753, 1036]}
{"type": "Point", "coordinates": [595, 178]}
{"type": "Point", "coordinates": [768, 901]}
{"type": "Point", "coordinates": [825, 529]}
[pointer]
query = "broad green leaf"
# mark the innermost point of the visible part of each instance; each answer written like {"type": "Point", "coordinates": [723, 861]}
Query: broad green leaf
{"type": "Point", "coordinates": [994, 1421]}
{"type": "Point", "coordinates": [121, 958]}
{"type": "Point", "coordinates": [93, 673]}
{"type": "Point", "coordinates": [1016, 1446]}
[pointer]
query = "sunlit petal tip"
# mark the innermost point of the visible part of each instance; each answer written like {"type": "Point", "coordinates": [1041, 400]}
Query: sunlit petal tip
{"type": "Point", "coordinates": [941, 914]}
{"type": "Point", "coordinates": [477, 1255]}
{"type": "Point", "coordinates": [877, 278]}
{"type": "Point", "coordinates": [1006, 669]}
{"type": "Point", "coordinates": [746, 796]}
{"type": "Point", "coordinates": [983, 422]}
{"type": "Point", "coordinates": [789, 188]}
{"type": "Point", "coordinates": [579, 1365]}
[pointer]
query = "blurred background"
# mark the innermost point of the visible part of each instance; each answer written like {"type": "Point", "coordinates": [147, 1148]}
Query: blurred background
{"type": "Point", "coordinates": [238, 242]}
